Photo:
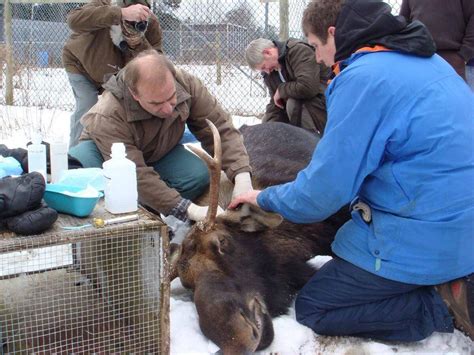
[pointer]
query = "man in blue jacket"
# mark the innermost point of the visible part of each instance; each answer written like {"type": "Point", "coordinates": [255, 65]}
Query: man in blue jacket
{"type": "Point", "coordinates": [399, 145]}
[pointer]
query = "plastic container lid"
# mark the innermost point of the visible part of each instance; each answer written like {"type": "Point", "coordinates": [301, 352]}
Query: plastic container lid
{"type": "Point", "coordinates": [118, 150]}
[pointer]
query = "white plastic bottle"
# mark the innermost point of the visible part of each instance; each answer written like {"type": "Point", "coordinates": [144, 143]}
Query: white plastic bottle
{"type": "Point", "coordinates": [121, 188]}
{"type": "Point", "coordinates": [58, 156]}
{"type": "Point", "coordinates": [37, 156]}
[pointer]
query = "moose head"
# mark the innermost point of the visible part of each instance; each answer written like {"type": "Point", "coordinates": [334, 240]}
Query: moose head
{"type": "Point", "coordinates": [245, 266]}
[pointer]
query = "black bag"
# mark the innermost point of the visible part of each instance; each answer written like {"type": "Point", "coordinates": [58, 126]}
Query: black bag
{"type": "Point", "coordinates": [21, 194]}
{"type": "Point", "coordinates": [32, 222]}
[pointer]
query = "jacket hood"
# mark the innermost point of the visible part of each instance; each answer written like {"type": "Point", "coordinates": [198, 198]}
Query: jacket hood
{"type": "Point", "coordinates": [282, 49]}
{"type": "Point", "coordinates": [115, 84]}
{"type": "Point", "coordinates": [370, 22]}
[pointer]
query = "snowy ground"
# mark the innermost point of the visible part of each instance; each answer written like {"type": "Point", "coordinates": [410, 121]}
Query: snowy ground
{"type": "Point", "coordinates": [16, 125]}
{"type": "Point", "coordinates": [293, 338]}
{"type": "Point", "coordinates": [240, 90]}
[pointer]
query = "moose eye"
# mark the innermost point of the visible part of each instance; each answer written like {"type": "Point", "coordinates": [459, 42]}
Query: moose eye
{"type": "Point", "coordinates": [189, 244]}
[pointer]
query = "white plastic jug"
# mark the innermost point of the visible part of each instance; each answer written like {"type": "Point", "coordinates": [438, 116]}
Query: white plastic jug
{"type": "Point", "coordinates": [121, 187]}
{"type": "Point", "coordinates": [58, 158]}
{"type": "Point", "coordinates": [37, 156]}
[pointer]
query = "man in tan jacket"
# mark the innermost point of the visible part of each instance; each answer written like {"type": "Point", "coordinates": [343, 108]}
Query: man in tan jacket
{"type": "Point", "coordinates": [146, 106]}
{"type": "Point", "coordinates": [104, 38]}
{"type": "Point", "coordinates": [295, 80]}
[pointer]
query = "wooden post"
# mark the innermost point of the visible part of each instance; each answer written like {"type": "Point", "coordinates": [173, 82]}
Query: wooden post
{"type": "Point", "coordinates": [284, 26]}
{"type": "Point", "coordinates": [8, 52]}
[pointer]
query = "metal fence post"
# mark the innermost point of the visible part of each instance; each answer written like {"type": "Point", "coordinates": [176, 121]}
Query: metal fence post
{"type": "Point", "coordinates": [284, 27]}
{"type": "Point", "coordinates": [8, 52]}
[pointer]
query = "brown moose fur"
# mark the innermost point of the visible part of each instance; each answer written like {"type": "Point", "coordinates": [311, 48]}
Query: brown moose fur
{"type": "Point", "coordinates": [249, 265]}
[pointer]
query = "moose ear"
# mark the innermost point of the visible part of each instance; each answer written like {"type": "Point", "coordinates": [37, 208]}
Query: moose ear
{"type": "Point", "coordinates": [221, 244]}
{"type": "Point", "coordinates": [254, 219]}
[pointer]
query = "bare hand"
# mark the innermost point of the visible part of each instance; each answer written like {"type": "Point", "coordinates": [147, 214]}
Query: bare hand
{"type": "Point", "coordinates": [137, 12]}
{"type": "Point", "coordinates": [277, 99]}
{"type": "Point", "coordinates": [247, 197]}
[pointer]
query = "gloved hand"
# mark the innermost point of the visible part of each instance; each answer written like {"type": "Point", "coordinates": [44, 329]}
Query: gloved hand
{"type": "Point", "coordinates": [198, 213]}
{"type": "Point", "coordinates": [243, 183]}
{"type": "Point", "coordinates": [131, 35]}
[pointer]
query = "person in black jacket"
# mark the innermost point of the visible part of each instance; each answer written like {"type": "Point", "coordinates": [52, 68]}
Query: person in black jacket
{"type": "Point", "coordinates": [451, 23]}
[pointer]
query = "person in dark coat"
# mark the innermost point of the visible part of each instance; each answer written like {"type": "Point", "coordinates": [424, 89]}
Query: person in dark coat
{"type": "Point", "coordinates": [295, 81]}
{"type": "Point", "coordinates": [451, 23]}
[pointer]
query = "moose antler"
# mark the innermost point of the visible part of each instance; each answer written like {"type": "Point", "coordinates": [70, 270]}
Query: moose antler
{"type": "Point", "coordinates": [214, 165]}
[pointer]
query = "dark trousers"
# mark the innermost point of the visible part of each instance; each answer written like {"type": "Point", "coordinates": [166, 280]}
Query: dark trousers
{"type": "Point", "coordinates": [456, 61]}
{"type": "Point", "coordinates": [342, 299]}
{"type": "Point", "coordinates": [180, 169]}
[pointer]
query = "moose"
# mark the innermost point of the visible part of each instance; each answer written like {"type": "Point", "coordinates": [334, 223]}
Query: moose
{"type": "Point", "coordinates": [246, 265]}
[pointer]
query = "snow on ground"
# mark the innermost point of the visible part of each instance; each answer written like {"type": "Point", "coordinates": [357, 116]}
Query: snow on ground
{"type": "Point", "coordinates": [294, 338]}
{"type": "Point", "coordinates": [16, 125]}
{"type": "Point", "coordinates": [240, 90]}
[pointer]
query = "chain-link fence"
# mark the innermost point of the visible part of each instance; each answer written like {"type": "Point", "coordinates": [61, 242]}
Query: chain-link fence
{"type": "Point", "coordinates": [207, 38]}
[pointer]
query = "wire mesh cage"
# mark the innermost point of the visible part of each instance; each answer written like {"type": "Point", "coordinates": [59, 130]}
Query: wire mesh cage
{"type": "Point", "coordinates": [206, 37]}
{"type": "Point", "coordinates": [85, 291]}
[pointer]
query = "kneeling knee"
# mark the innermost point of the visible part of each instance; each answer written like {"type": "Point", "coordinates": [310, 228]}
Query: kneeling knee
{"type": "Point", "coordinates": [196, 186]}
{"type": "Point", "coordinates": [201, 182]}
{"type": "Point", "coordinates": [309, 314]}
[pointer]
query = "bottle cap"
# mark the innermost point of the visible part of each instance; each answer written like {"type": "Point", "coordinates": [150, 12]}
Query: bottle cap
{"type": "Point", "coordinates": [58, 139]}
{"type": "Point", "coordinates": [118, 150]}
{"type": "Point", "coordinates": [36, 138]}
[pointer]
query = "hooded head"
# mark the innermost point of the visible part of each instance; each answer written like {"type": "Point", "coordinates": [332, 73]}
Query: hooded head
{"type": "Point", "coordinates": [360, 23]}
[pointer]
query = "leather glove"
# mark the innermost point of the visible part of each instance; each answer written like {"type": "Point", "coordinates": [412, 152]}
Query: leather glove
{"type": "Point", "coordinates": [198, 213]}
{"type": "Point", "coordinates": [131, 35]}
{"type": "Point", "coordinates": [243, 183]}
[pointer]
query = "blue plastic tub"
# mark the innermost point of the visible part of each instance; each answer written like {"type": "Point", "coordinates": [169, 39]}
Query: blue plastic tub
{"type": "Point", "coordinates": [57, 198]}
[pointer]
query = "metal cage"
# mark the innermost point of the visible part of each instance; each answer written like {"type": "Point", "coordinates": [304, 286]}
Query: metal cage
{"type": "Point", "coordinates": [86, 291]}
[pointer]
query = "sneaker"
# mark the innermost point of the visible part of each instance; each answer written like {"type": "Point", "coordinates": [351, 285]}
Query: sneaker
{"type": "Point", "coordinates": [459, 297]}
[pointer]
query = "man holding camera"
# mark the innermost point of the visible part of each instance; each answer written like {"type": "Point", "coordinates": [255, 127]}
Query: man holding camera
{"type": "Point", "coordinates": [104, 38]}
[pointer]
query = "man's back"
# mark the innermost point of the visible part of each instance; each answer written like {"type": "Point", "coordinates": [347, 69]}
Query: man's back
{"type": "Point", "coordinates": [414, 122]}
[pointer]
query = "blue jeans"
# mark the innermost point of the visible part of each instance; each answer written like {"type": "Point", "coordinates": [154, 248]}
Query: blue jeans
{"type": "Point", "coordinates": [179, 169]}
{"type": "Point", "coordinates": [187, 137]}
{"type": "Point", "coordinates": [342, 299]}
{"type": "Point", "coordinates": [86, 96]}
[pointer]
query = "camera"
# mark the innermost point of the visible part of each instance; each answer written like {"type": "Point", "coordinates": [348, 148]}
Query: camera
{"type": "Point", "coordinates": [139, 26]}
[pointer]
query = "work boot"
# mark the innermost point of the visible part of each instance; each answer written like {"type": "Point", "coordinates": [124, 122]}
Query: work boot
{"type": "Point", "coordinates": [459, 297]}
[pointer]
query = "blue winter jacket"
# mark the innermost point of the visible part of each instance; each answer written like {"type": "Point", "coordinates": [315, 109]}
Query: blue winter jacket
{"type": "Point", "coordinates": [400, 137]}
